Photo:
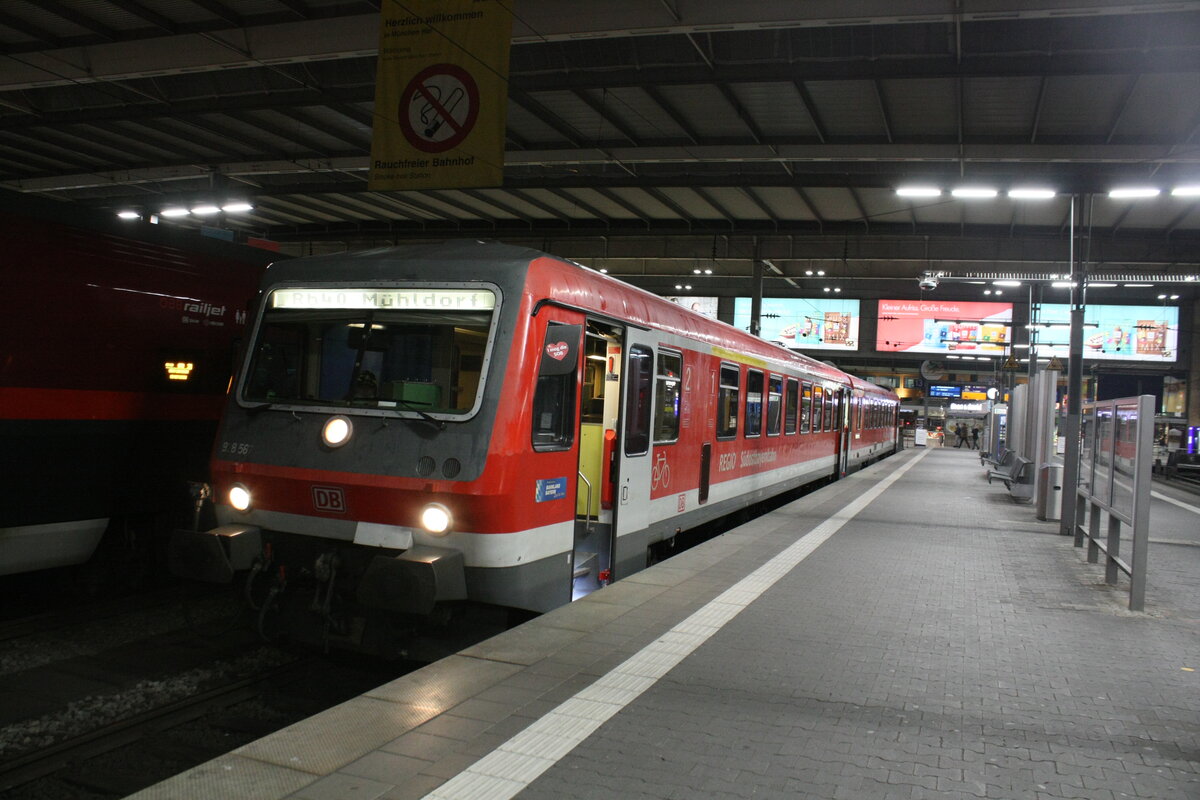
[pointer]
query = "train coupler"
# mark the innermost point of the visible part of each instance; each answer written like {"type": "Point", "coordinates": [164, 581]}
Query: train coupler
{"type": "Point", "coordinates": [214, 555]}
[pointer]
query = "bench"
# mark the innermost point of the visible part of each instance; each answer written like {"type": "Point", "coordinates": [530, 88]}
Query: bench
{"type": "Point", "coordinates": [987, 459]}
{"type": "Point", "coordinates": [1012, 473]}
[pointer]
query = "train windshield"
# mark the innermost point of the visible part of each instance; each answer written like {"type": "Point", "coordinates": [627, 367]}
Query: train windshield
{"type": "Point", "coordinates": [419, 350]}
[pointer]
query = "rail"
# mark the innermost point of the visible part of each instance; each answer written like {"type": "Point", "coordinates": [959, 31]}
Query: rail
{"type": "Point", "coordinates": [1115, 461]}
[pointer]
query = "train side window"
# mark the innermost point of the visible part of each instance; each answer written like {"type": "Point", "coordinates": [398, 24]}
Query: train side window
{"type": "Point", "coordinates": [554, 398]}
{"type": "Point", "coordinates": [774, 404]}
{"type": "Point", "coordinates": [806, 408]}
{"type": "Point", "coordinates": [828, 409]}
{"type": "Point", "coordinates": [791, 406]}
{"type": "Point", "coordinates": [668, 386]}
{"type": "Point", "coordinates": [818, 406]}
{"type": "Point", "coordinates": [640, 377]}
{"type": "Point", "coordinates": [754, 402]}
{"type": "Point", "coordinates": [727, 401]}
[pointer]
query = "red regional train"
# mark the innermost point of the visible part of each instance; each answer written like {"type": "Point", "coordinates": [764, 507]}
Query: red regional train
{"type": "Point", "coordinates": [476, 421]}
{"type": "Point", "coordinates": [117, 352]}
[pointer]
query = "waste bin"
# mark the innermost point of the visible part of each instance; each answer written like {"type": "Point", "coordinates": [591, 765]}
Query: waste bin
{"type": "Point", "coordinates": [1049, 492]}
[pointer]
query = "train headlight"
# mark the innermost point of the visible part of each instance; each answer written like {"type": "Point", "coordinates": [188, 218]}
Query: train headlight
{"type": "Point", "coordinates": [435, 518]}
{"type": "Point", "coordinates": [337, 431]}
{"type": "Point", "coordinates": [239, 497]}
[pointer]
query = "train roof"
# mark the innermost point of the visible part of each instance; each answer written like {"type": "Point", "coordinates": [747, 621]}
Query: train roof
{"type": "Point", "coordinates": [572, 284]}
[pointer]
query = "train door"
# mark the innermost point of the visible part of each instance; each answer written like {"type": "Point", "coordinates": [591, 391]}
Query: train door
{"type": "Point", "coordinates": [599, 410]}
{"type": "Point", "coordinates": [633, 455]}
{"type": "Point", "coordinates": [842, 432]}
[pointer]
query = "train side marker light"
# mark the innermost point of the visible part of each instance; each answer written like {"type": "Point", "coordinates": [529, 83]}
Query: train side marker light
{"type": "Point", "coordinates": [435, 518]}
{"type": "Point", "coordinates": [337, 431]}
{"type": "Point", "coordinates": [239, 497]}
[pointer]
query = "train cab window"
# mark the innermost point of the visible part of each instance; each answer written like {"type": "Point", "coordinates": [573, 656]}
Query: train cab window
{"type": "Point", "coordinates": [818, 408]}
{"type": "Point", "coordinates": [806, 408]}
{"type": "Point", "coordinates": [727, 401]}
{"type": "Point", "coordinates": [791, 406]}
{"type": "Point", "coordinates": [668, 394]}
{"type": "Point", "coordinates": [774, 404]}
{"type": "Point", "coordinates": [363, 347]}
{"type": "Point", "coordinates": [754, 402]}
{"type": "Point", "coordinates": [554, 397]}
{"type": "Point", "coordinates": [640, 380]}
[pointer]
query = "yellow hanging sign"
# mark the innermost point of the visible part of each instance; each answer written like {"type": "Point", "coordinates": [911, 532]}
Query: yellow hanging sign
{"type": "Point", "coordinates": [1010, 364]}
{"type": "Point", "coordinates": [441, 93]}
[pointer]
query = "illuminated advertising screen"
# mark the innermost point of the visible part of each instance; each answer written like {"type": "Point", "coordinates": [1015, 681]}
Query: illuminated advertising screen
{"type": "Point", "coordinates": [802, 323]}
{"type": "Point", "coordinates": [1111, 333]}
{"type": "Point", "coordinates": [701, 305]}
{"type": "Point", "coordinates": [935, 326]}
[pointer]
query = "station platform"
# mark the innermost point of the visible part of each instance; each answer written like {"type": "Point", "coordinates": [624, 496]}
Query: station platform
{"type": "Point", "coordinates": [908, 632]}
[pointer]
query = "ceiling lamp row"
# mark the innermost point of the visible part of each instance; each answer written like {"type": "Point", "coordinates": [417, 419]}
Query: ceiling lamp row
{"type": "Point", "coordinates": [1042, 193]}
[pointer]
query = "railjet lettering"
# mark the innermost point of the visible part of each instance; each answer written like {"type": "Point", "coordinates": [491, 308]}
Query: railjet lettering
{"type": "Point", "coordinates": [423, 300]}
{"type": "Point", "coordinates": [191, 307]}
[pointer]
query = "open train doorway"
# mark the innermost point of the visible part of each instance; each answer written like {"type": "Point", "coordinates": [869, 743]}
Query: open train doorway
{"type": "Point", "coordinates": [599, 410]}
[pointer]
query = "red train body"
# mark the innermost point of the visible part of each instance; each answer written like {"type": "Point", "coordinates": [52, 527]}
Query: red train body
{"type": "Point", "coordinates": [518, 430]}
{"type": "Point", "coordinates": [118, 347]}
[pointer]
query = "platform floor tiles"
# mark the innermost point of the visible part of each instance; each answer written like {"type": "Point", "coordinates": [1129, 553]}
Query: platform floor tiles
{"type": "Point", "coordinates": [909, 632]}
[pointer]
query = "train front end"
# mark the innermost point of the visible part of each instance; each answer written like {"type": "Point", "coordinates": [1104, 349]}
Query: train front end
{"type": "Point", "coordinates": [354, 450]}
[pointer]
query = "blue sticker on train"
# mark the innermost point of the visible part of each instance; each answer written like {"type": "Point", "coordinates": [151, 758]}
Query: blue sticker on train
{"type": "Point", "coordinates": [551, 489]}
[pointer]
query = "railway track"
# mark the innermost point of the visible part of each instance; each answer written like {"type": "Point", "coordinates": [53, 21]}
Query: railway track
{"type": "Point", "coordinates": [129, 730]}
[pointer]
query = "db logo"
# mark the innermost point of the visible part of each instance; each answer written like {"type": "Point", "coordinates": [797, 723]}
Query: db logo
{"type": "Point", "coordinates": [558, 350]}
{"type": "Point", "coordinates": [329, 498]}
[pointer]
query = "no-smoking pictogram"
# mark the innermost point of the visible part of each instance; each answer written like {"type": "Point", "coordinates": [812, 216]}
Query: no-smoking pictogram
{"type": "Point", "coordinates": [439, 108]}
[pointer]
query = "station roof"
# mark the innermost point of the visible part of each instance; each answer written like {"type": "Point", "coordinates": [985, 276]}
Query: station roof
{"type": "Point", "coordinates": [653, 139]}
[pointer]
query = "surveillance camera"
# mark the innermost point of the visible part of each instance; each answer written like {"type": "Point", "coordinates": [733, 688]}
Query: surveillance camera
{"type": "Point", "coordinates": [928, 282]}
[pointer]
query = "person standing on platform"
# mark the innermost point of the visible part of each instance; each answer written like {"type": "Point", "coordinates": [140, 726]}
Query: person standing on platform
{"type": "Point", "coordinates": [960, 432]}
{"type": "Point", "coordinates": [975, 438]}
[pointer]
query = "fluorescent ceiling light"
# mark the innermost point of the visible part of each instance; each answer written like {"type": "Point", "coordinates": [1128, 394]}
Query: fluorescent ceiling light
{"type": "Point", "coordinates": [129, 214]}
{"type": "Point", "coordinates": [1138, 285]}
{"type": "Point", "coordinates": [236, 206]}
{"type": "Point", "coordinates": [919, 191]}
{"type": "Point", "coordinates": [205, 210]}
{"type": "Point", "coordinates": [1103, 285]}
{"type": "Point", "coordinates": [954, 357]}
{"type": "Point", "coordinates": [974, 192]}
{"type": "Point", "coordinates": [1192, 190]}
{"type": "Point", "coordinates": [173, 212]}
{"type": "Point", "coordinates": [1006, 283]}
{"type": "Point", "coordinates": [1032, 194]}
{"type": "Point", "coordinates": [1063, 284]}
{"type": "Point", "coordinates": [1134, 192]}
{"type": "Point", "coordinates": [1020, 347]}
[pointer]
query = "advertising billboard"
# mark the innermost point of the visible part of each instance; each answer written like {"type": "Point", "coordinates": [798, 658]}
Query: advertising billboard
{"type": "Point", "coordinates": [1111, 333]}
{"type": "Point", "coordinates": [802, 323]}
{"type": "Point", "coordinates": [936, 326]}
